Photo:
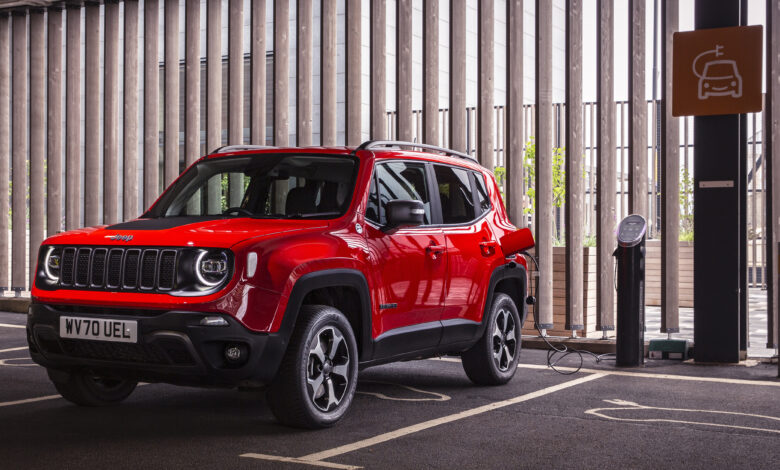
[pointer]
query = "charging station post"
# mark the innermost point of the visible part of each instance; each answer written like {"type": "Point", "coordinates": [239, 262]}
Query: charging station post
{"type": "Point", "coordinates": [630, 254]}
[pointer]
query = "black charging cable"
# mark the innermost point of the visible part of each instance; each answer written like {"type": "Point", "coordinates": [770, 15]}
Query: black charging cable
{"type": "Point", "coordinates": [557, 354]}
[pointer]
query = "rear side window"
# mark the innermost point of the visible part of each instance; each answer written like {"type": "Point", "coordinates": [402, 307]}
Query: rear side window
{"type": "Point", "coordinates": [404, 181]}
{"type": "Point", "coordinates": [482, 196]}
{"type": "Point", "coordinates": [457, 200]}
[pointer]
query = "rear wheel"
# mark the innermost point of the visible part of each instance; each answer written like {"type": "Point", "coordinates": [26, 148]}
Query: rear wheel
{"type": "Point", "coordinates": [493, 360]}
{"type": "Point", "coordinates": [87, 389]}
{"type": "Point", "coordinates": [318, 375]}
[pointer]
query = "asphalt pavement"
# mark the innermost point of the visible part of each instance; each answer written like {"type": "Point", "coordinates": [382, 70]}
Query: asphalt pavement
{"type": "Point", "coordinates": [418, 414]}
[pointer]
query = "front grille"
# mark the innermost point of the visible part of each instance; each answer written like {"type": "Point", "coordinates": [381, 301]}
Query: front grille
{"type": "Point", "coordinates": [125, 269]}
{"type": "Point", "coordinates": [122, 352]}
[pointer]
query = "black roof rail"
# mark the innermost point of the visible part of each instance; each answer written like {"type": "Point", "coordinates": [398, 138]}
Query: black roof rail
{"type": "Point", "coordinates": [375, 144]}
{"type": "Point", "coordinates": [239, 148]}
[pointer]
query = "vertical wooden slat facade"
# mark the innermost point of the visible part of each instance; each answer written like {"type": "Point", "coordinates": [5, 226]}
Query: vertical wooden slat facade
{"type": "Point", "coordinates": [404, 70]}
{"type": "Point", "coordinates": [457, 75]}
{"type": "Point", "coordinates": [171, 124]}
{"type": "Point", "coordinates": [235, 93]}
{"type": "Point", "coordinates": [5, 138]}
{"type": "Point", "coordinates": [514, 187]}
{"type": "Point", "coordinates": [772, 145]}
{"type": "Point", "coordinates": [19, 133]}
{"type": "Point", "coordinates": [637, 111]}
{"type": "Point", "coordinates": [73, 119]}
{"type": "Point", "coordinates": [353, 72]}
{"type": "Point", "coordinates": [130, 114]}
{"type": "Point", "coordinates": [281, 72]}
{"type": "Point", "coordinates": [329, 67]}
{"type": "Point", "coordinates": [53, 123]}
{"type": "Point", "coordinates": [304, 100]}
{"type": "Point", "coordinates": [110, 113]}
{"type": "Point", "coordinates": [670, 171]}
{"type": "Point", "coordinates": [257, 87]}
{"type": "Point", "coordinates": [192, 81]}
{"type": "Point", "coordinates": [607, 185]}
{"type": "Point", "coordinates": [37, 134]}
{"type": "Point", "coordinates": [431, 72]}
{"type": "Point", "coordinates": [485, 83]}
{"type": "Point", "coordinates": [213, 89]}
{"type": "Point", "coordinates": [544, 163]}
{"type": "Point", "coordinates": [92, 194]}
{"type": "Point", "coordinates": [378, 69]}
{"type": "Point", "coordinates": [151, 101]}
{"type": "Point", "coordinates": [575, 190]}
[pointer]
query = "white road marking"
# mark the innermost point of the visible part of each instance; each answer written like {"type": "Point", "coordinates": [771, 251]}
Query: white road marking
{"type": "Point", "coordinates": [29, 400]}
{"type": "Point", "coordinates": [7, 325]}
{"type": "Point", "coordinates": [436, 396]}
{"type": "Point", "coordinates": [14, 349]}
{"type": "Point", "coordinates": [275, 458]}
{"type": "Point", "coordinates": [627, 406]}
{"type": "Point", "coordinates": [388, 436]}
{"type": "Point", "coordinates": [4, 362]}
{"type": "Point", "coordinates": [645, 375]}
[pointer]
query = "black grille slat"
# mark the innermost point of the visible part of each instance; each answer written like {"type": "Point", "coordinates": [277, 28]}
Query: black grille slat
{"type": "Point", "coordinates": [66, 272]}
{"type": "Point", "coordinates": [148, 268]}
{"type": "Point", "coordinates": [167, 270]}
{"type": "Point", "coordinates": [82, 266]}
{"type": "Point", "coordinates": [131, 268]}
{"type": "Point", "coordinates": [99, 267]}
{"type": "Point", "coordinates": [123, 352]}
{"type": "Point", "coordinates": [114, 271]}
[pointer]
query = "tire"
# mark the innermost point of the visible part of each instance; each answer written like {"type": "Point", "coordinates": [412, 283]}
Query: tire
{"type": "Point", "coordinates": [85, 389]}
{"type": "Point", "coordinates": [493, 360]}
{"type": "Point", "coordinates": [317, 378]}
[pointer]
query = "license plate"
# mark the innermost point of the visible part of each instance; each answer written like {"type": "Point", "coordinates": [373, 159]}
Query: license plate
{"type": "Point", "coordinates": [99, 329]}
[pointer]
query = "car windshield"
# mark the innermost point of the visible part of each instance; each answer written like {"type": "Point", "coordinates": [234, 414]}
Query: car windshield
{"type": "Point", "coordinates": [262, 186]}
{"type": "Point", "coordinates": [716, 70]}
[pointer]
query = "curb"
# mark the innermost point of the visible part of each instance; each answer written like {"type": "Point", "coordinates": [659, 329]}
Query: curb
{"type": "Point", "coordinates": [14, 304]}
{"type": "Point", "coordinates": [596, 346]}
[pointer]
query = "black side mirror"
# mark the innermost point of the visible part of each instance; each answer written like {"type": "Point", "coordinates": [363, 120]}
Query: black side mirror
{"type": "Point", "coordinates": [402, 213]}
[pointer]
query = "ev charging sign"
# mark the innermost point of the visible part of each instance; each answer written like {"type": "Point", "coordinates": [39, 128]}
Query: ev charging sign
{"type": "Point", "coordinates": [717, 71]}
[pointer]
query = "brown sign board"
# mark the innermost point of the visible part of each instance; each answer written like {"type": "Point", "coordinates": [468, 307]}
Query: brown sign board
{"type": "Point", "coordinates": [717, 71]}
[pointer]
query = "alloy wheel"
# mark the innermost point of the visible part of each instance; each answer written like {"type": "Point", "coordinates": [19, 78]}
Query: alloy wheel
{"type": "Point", "coordinates": [504, 340]}
{"type": "Point", "coordinates": [327, 371]}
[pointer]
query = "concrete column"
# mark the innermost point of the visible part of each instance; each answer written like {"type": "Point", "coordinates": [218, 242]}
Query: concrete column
{"type": "Point", "coordinates": [73, 119]}
{"type": "Point", "coordinates": [130, 114]}
{"type": "Point", "coordinates": [235, 92]}
{"type": "Point", "coordinates": [575, 186]}
{"type": "Point", "coordinates": [607, 184]}
{"type": "Point", "coordinates": [303, 130]}
{"type": "Point", "coordinates": [110, 113]}
{"type": "Point", "coordinates": [378, 70]}
{"type": "Point", "coordinates": [281, 72]}
{"type": "Point", "coordinates": [431, 72]}
{"type": "Point", "coordinates": [328, 114]}
{"type": "Point", "coordinates": [92, 194]}
{"type": "Point", "coordinates": [514, 187]}
{"type": "Point", "coordinates": [151, 102]}
{"type": "Point", "coordinates": [214, 93]}
{"type": "Point", "coordinates": [37, 135]}
{"type": "Point", "coordinates": [258, 85]}
{"type": "Point", "coordinates": [637, 111]}
{"type": "Point", "coordinates": [458, 75]}
{"type": "Point", "coordinates": [403, 82]}
{"type": "Point", "coordinates": [5, 140]}
{"type": "Point", "coordinates": [544, 162]}
{"type": "Point", "coordinates": [192, 149]}
{"type": "Point", "coordinates": [670, 178]}
{"type": "Point", "coordinates": [353, 73]}
{"type": "Point", "coordinates": [19, 129]}
{"type": "Point", "coordinates": [53, 123]}
{"type": "Point", "coordinates": [485, 145]}
{"type": "Point", "coordinates": [171, 157]}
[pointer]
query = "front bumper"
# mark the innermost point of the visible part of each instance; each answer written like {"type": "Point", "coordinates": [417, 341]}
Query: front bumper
{"type": "Point", "coordinates": [172, 347]}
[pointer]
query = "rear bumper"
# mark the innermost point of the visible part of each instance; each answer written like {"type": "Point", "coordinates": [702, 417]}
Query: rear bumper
{"type": "Point", "coordinates": [172, 347]}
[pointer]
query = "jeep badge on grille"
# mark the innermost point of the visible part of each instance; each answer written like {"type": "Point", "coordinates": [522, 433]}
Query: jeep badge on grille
{"type": "Point", "coordinates": [124, 238]}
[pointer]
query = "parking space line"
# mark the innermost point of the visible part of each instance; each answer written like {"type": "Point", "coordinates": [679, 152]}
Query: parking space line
{"type": "Point", "coordinates": [644, 375]}
{"type": "Point", "coordinates": [8, 325]}
{"type": "Point", "coordinates": [13, 349]}
{"type": "Point", "coordinates": [29, 400]}
{"type": "Point", "coordinates": [276, 458]}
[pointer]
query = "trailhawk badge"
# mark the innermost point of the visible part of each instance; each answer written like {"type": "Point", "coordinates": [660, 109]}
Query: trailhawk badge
{"type": "Point", "coordinates": [122, 238]}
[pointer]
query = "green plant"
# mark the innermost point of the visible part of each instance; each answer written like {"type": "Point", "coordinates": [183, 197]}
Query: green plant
{"type": "Point", "coordinates": [558, 176]}
{"type": "Point", "coordinates": [686, 206]}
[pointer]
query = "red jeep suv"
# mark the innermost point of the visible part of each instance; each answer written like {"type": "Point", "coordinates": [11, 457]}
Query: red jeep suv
{"type": "Point", "coordinates": [291, 269]}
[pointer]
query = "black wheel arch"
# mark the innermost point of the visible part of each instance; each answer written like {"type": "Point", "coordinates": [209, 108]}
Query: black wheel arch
{"type": "Point", "coordinates": [511, 279]}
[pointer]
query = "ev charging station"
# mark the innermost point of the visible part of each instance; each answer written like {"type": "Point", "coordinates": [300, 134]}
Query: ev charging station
{"type": "Point", "coordinates": [630, 259]}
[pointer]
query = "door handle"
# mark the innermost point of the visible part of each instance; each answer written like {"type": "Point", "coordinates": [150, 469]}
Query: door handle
{"type": "Point", "coordinates": [488, 247]}
{"type": "Point", "coordinates": [435, 250]}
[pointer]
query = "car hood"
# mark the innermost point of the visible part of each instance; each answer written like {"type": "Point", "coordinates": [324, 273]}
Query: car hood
{"type": "Point", "coordinates": [216, 232]}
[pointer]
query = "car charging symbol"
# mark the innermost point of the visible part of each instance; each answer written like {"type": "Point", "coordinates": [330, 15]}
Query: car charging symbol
{"type": "Point", "coordinates": [718, 77]}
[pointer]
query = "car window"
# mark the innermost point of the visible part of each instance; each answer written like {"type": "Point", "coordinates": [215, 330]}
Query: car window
{"type": "Point", "coordinates": [404, 181]}
{"type": "Point", "coordinates": [482, 196]}
{"type": "Point", "coordinates": [457, 200]}
{"type": "Point", "coordinates": [372, 208]}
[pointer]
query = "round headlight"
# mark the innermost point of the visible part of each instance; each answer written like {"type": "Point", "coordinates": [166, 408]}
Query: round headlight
{"type": "Point", "coordinates": [211, 267]}
{"type": "Point", "coordinates": [51, 263]}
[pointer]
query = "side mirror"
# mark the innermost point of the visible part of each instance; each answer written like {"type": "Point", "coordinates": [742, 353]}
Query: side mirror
{"type": "Point", "coordinates": [517, 241]}
{"type": "Point", "coordinates": [403, 213]}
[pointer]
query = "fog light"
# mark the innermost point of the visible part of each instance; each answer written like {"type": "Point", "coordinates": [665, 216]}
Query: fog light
{"type": "Point", "coordinates": [236, 353]}
{"type": "Point", "coordinates": [213, 321]}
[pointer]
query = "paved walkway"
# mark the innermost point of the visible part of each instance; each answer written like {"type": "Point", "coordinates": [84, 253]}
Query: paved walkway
{"type": "Point", "coordinates": [756, 323]}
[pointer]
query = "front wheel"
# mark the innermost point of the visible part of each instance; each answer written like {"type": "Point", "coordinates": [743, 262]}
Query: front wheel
{"type": "Point", "coordinates": [493, 360]}
{"type": "Point", "coordinates": [318, 375]}
{"type": "Point", "coordinates": [87, 389]}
